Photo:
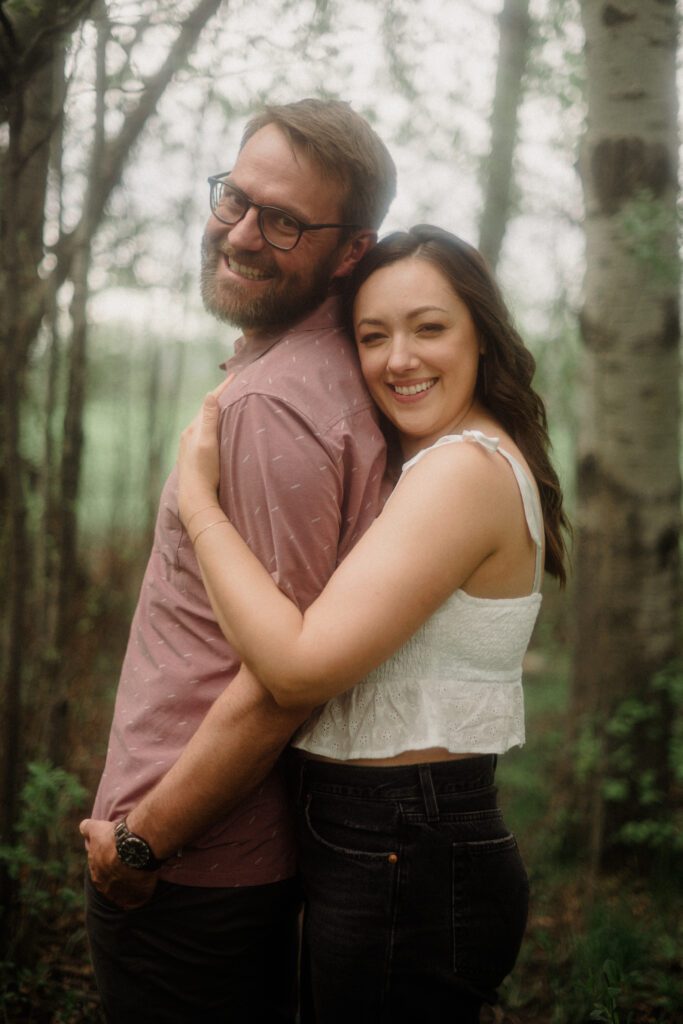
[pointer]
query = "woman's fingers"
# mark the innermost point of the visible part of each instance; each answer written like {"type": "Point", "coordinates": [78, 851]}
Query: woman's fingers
{"type": "Point", "coordinates": [223, 385]}
{"type": "Point", "coordinates": [208, 409]}
{"type": "Point", "coordinates": [209, 412]}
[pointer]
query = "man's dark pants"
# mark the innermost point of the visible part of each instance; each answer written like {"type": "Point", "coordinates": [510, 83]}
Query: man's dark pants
{"type": "Point", "coordinates": [197, 955]}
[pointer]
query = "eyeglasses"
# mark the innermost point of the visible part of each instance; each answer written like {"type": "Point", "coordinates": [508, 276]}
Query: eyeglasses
{"type": "Point", "coordinates": [280, 229]}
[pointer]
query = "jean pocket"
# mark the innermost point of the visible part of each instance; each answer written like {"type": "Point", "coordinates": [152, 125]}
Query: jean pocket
{"type": "Point", "coordinates": [352, 828]}
{"type": "Point", "coordinates": [98, 900]}
{"type": "Point", "coordinates": [101, 903]}
{"type": "Point", "coordinates": [490, 899]}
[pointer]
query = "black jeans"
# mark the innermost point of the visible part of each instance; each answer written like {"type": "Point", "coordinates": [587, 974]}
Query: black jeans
{"type": "Point", "coordinates": [195, 955]}
{"type": "Point", "coordinates": [416, 895]}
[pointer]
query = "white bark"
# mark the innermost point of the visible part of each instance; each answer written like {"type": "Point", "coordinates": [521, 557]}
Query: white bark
{"type": "Point", "coordinates": [628, 517]}
{"type": "Point", "coordinates": [515, 26]}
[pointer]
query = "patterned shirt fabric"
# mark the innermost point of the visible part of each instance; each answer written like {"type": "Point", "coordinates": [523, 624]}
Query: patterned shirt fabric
{"type": "Point", "coordinates": [302, 477]}
{"type": "Point", "coordinates": [457, 683]}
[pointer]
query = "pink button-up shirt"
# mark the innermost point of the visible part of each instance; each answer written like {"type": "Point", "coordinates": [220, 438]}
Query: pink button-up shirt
{"type": "Point", "coordinates": [302, 476]}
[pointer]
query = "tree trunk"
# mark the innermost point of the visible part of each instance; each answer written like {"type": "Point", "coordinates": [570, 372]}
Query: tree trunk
{"type": "Point", "coordinates": [24, 172]}
{"type": "Point", "coordinates": [31, 46]}
{"type": "Point", "coordinates": [629, 488]}
{"type": "Point", "coordinates": [515, 26]}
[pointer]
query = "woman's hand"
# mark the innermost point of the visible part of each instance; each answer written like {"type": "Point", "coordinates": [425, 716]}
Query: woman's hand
{"type": "Point", "coordinates": [198, 458]}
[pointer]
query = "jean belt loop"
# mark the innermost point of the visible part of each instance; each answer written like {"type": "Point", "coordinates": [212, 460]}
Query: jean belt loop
{"type": "Point", "coordinates": [424, 772]}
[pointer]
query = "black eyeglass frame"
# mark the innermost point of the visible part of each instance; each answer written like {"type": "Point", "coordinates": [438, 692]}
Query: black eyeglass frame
{"type": "Point", "coordinates": [219, 179]}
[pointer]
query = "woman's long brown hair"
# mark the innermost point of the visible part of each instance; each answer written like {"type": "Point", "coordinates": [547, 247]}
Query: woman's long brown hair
{"type": "Point", "coordinates": [505, 370]}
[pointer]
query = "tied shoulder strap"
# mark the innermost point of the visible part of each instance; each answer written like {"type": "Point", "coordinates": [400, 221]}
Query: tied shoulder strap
{"type": "Point", "coordinates": [530, 501]}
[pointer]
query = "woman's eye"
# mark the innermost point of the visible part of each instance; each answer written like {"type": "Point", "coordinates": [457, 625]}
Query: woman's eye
{"type": "Point", "coordinates": [430, 328]}
{"type": "Point", "coordinates": [370, 339]}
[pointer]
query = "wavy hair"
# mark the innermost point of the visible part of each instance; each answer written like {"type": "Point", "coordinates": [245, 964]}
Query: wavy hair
{"type": "Point", "coordinates": [506, 368]}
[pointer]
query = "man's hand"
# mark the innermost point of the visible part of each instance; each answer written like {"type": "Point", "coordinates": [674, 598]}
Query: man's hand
{"type": "Point", "coordinates": [125, 886]}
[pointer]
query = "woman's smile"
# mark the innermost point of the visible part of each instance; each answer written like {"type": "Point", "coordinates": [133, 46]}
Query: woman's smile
{"type": "Point", "coordinates": [411, 390]}
{"type": "Point", "coordinates": [419, 358]}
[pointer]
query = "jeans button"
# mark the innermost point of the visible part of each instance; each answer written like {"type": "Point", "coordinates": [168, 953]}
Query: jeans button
{"type": "Point", "coordinates": [393, 858]}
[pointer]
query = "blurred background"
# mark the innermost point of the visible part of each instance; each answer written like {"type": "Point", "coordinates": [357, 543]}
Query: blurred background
{"type": "Point", "coordinates": [546, 132]}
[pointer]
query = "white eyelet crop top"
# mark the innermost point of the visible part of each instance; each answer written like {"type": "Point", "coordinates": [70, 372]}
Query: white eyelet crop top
{"type": "Point", "coordinates": [457, 683]}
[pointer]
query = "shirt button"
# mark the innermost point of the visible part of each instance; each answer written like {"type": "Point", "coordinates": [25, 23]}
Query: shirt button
{"type": "Point", "coordinates": [393, 858]}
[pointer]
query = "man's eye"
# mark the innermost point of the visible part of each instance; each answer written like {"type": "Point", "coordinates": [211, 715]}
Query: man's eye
{"type": "Point", "coordinates": [282, 222]}
{"type": "Point", "coordinates": [229, 200]}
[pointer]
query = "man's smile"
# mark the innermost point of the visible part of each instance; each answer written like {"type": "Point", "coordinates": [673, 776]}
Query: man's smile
{"type": "Point", "coordinates": [252, 273]}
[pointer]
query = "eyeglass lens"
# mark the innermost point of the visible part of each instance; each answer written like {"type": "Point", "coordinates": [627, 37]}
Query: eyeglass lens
{"type": "Point", "coordinates": [277, 227]}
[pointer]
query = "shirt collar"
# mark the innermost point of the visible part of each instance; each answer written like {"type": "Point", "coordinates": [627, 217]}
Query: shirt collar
{"type": "Point", "coordinates": [325, 316]}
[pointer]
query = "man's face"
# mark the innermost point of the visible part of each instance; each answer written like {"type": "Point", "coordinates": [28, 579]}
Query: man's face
{"type": "Point", "coordinates": [244, 280]}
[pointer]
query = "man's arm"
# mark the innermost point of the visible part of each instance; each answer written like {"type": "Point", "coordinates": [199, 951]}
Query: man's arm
{"type": "Point", "coordinates": [233, 749]}
{"type": "Point", "coordinates": [282, 491]}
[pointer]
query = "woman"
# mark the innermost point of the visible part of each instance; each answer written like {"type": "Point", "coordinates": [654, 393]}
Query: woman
{"type": "Point", "coordinates": [416, 893]}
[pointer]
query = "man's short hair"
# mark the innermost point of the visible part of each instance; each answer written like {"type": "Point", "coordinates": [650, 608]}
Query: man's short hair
{"type": "Point", "coordinates": [346, 149]}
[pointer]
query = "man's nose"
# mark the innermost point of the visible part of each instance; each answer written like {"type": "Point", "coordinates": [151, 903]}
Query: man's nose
{"type": "Point", "coordinates": [246, 233]}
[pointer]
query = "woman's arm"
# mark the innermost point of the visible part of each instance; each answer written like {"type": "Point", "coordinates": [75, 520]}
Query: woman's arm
{"type": "Point", "coordinates": [450, 513]}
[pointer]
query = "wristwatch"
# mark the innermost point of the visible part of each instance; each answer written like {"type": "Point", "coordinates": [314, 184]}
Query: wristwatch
{"type": "Point", "coordinates": [133, 850]}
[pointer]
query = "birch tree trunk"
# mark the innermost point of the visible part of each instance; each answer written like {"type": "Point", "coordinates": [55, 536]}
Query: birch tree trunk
{"type": "Point", "coordinates": [515, 25]}
{"type": "Point", "coordinates": [628, 520]}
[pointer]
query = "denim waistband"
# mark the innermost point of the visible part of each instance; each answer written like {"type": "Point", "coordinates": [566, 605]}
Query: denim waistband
{"type": "Point", "coordinates": [395, 782]}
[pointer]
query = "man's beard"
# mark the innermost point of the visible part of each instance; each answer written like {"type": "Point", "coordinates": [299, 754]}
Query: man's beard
{"type": "Point", "coordinates": [286, 298]}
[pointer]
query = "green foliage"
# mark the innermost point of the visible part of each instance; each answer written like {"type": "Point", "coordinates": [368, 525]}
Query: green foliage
{"type": "Point", "coordinates": [610, 751]}
{"type": "Point", "coordinates": [559, 30]}
{"type": "Point", "coordinates": [645, 224]}
{"type": "Point", "coordinates": [606, 953]}
{"type": "Point", "coordinates": [37, 858]}
{"type": "Point", "coordinates": [632, 721]}
{"type": "Point", "coordinates": [41, 861]}
{"type": "Point", "coordinates": [586, 750]}
{"type": "Point", "coordinates": [607, 1012]}
{"type": "Point", "coordinates": [616, 964]}
{"type": "Point", "coordinates": [605, 962]}
{"type": "Point", "coordinates": [670, 682]}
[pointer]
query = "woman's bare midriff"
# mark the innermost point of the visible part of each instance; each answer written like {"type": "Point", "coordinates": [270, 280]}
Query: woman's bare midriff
{"type": "Point", "coordinates": [405, 757]}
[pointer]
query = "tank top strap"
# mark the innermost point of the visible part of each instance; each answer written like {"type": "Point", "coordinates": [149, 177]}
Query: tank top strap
{"type": "Point", "coordinates": [530, 500]}
{"type": "Point", "coordinates": [532, 513]}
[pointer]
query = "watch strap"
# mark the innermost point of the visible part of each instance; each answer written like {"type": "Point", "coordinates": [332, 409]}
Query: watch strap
{"type": "Point", "coordinates": [133, 850]}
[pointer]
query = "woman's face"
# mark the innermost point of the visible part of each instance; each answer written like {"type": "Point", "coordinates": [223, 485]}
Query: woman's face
{"type": "Point", "coordinates": [418, 351]}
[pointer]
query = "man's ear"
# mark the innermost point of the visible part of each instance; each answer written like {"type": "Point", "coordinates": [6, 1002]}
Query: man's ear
{"type": "Point", "coordinates": [353, 252]}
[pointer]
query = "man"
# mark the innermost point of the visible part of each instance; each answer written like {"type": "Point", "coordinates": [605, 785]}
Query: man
{"type": "Point", "coordinates": [192, 912]}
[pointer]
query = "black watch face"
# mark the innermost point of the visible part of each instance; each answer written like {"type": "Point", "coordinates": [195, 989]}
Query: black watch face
{"type": "Point", "coordinates": [133, 851]}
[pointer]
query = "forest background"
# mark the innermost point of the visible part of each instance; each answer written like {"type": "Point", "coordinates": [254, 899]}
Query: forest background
{"type": "Point", "coordinates": [546, 132]}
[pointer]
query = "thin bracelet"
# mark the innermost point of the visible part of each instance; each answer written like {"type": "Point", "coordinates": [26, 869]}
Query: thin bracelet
{"type": "Point", "coordinates": [205, 509]}
{"type": "Point", "coordinates": [217, 522]}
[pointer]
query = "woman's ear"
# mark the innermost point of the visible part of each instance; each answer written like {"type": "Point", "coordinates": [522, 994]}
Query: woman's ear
{"type": "Point", "coordinates": [353, 252]}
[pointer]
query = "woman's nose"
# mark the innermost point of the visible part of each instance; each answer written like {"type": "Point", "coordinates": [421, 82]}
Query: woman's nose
{"type": "Point", "coordinates": [401, 357]}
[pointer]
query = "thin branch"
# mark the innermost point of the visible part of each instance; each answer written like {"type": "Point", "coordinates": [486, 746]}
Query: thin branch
{"type": "Point", "coordinates": [35, 52]}
{"type": "Point", "coordinates": [116, 150]}
{"type": "Point", "coordinates": [7, 26]}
